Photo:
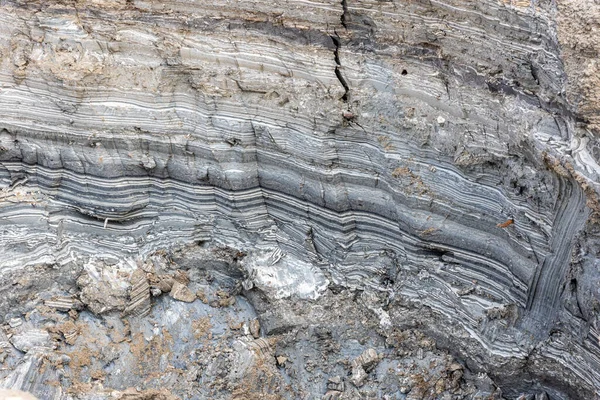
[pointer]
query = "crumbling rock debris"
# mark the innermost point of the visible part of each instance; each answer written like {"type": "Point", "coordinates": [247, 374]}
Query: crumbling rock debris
{"type": "Point", "coordinates": [236, 364]}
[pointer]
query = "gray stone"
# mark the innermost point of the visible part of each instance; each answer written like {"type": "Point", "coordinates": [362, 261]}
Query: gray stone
{"type": "Point", "coordinates": [30, 339]}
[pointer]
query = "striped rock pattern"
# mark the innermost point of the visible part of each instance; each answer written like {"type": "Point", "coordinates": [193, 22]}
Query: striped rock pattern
{"type": "Point", "coordinates": [374, 145]}
{"type": "Point", "coordinates": [139, 296]}
{"type": "Point", "coordinates": [63, 303]}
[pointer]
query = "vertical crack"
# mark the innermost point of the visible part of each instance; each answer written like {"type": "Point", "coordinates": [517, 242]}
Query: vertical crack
{"type": "Point", "coordinates": [338, 67]}
{"type": "Point", "coordinates": [338, 44]}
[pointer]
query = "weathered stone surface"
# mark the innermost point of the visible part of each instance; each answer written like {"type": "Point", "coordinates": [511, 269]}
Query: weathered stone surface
{"type": "Point", "coordinates": [440, 156]}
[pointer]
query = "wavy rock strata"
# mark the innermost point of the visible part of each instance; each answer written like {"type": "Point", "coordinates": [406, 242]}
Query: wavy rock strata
{"type": "Point", "coordinates": [439, 154]}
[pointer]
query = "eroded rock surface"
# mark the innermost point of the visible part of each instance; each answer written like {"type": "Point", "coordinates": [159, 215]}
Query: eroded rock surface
{"type": "Point", "coordinates": [241, 200]}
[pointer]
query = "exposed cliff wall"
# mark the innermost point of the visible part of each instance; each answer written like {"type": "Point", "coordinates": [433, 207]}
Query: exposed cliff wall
{"type": "Point", "coordinates": [440, 155]}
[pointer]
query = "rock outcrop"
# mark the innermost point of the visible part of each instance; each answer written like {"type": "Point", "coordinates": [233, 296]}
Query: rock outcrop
{"type": "Point", "coordinates": [438, 159]}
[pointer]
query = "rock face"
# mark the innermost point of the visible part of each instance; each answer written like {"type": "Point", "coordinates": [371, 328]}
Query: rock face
{"type": "Point", "coordinates": [429, 164]}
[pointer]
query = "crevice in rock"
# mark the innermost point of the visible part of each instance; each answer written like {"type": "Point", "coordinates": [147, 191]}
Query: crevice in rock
{"type": "Point", "coordinates": [336, 52]}
{"type": "Point", "coordinates": [338, 68]}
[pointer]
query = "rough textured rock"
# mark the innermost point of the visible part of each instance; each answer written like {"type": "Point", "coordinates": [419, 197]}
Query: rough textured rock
{"type": "Point", "coordinates": [419, 178]}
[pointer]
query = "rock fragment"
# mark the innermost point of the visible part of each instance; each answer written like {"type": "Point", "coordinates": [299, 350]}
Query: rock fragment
{"type": "Point", "coordinates": [367, 360]}
{"type": "Point", "coordinates": [281, 360]}
{"type": "Point", "coordinates": [139, 296]}
{"type": "Point", "coordinates": [15, 322]}
{"type": "Point", "coordinates": [361, 365]}
{"type": "Point", "coordinates": [102, 289]}
{"type": "Point", "coordinates": [254, 326]}
{"type": "Point", "coordinates": [64, 303]}
{"type": "Point", "coordinates": [359, 376]}
{"type": "Point", "coordinates": [182, 293]}
{"type": "Point", "coordinates": [335, 383]}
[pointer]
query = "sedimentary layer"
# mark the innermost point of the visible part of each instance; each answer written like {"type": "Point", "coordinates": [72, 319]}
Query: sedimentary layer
{"type": "Point", "coordinates": [427, 151]}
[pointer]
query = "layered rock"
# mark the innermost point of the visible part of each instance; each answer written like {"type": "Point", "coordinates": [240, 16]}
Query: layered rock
{"type": "Point", "coordinates": [428, 151]}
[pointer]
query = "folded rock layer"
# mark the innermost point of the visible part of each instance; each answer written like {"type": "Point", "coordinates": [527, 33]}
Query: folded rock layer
{"type": "Point", "coordinates": [439, 152]}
